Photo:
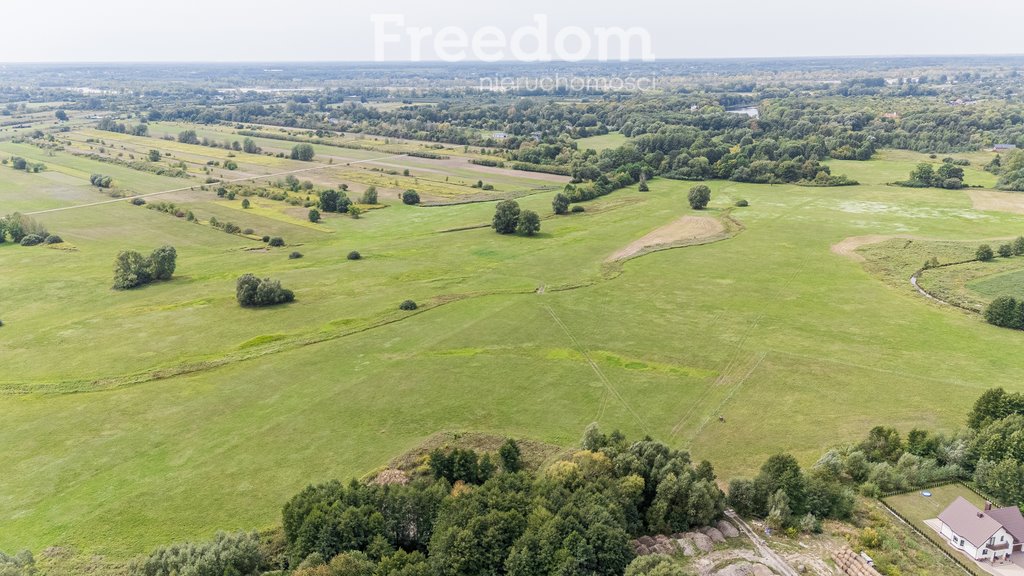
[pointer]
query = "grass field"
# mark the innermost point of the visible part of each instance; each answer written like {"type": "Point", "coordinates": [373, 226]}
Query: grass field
{"type": "Point", "coordinates": [917, 508]}
{"type": "Point", "coordinates": [138, 418]}
{"type": "Point", "coordinates": [602, 142]}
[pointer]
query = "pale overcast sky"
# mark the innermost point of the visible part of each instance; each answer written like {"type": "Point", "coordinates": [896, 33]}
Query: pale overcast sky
{"type": "Point", "coordinates": [342, 30]}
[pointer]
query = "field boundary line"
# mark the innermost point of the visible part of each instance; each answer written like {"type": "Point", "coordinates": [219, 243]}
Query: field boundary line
{"type": "Point", "coordinates": [728, 397]}
{"type": "Point", "coordinates": [193, 187]}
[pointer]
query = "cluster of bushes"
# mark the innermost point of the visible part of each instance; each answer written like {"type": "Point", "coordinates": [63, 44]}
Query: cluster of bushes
{"type": "Point", "coordinates": [407, 305]}
{"type": "Point", "coordinates": [100, 181]}
{"type": "Point", "coordinates": [241, 554]}
{"type": "Point", "coordinates": [410, 197]}
{"type": "Point", "coordinates": [25, 230]}
{"type": "Point", "coordinates": [19, 163]}
{"type": "Point", "coordinates": [132, 269]}
{"type": "Point", "coordinates": [228, 227]}
{"type": "Point", "coordinates": [949, 175]}
{"type": "Point", "coordinates": [574, 517]}
{"type": "Point", "coordinates": [21, 564]}
{"type": "Point", "coordinates": [480, 184]}
{"type": "Point", "coordinates": [487, 162]}
{"type": "Point", "coordinates": [509, 218]}
{"type": "Point", "coordinates": [254, 292]}
{"type": "Point", "coordinates": [460, 465]}
{"type": "Point", "coordinates": [108, 124]}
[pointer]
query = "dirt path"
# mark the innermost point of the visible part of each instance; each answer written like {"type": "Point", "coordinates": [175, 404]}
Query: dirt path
{"type": "Point", "coordinates": [687, 228]}
{"type": "Point", "coordinates": [770, 558]}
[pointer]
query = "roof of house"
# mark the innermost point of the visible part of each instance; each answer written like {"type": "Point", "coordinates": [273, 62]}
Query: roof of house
{"type": "Point", "coordinates": [1011, 519]}
{"type": "Point", "coordinates": [968, 522]}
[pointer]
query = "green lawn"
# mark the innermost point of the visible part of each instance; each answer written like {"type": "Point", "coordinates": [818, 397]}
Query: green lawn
{"type": "Point", "coordinates": [191, 414]}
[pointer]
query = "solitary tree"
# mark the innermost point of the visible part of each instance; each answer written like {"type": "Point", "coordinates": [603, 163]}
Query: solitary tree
{"type": "Point", "coordinates": [130, 270]}
{"type": "Point", "coordinates": [1018, 246]}
{"type": "Point", "coordinates": [699, 197]}
{"type": "Point", "coordinates": [643, 183]}
{"type": "Point", "coordinates": [1004, 311]}
{"type": "Point", "coordinates": [370, 196]}
{"type": "Point", "coordinates": [329, 200]}
{"type": "Point", "coordinates": [984, 253]}
{"type": "Point", "coordinates": [245, 203]}
{"type": "Point", "coordinates": [61, 115]}
{"type": "Point", "coordinates": [303, 152]}
{"type": "Point", "coordinates": [410, 197]}
{"type": "Point", "coordinates": [506, 217]}
{"type": "Point", "coordinates": [1005, 250]}
{"type": "Point", "coordinates": [162, 263]}
{"type": "Point", "coordinates": [560, 204]}
{"type": "Point", "coordinates": [529, 223]}
{"type": "Point", "coordinates": [314, 215]}
{"type": "Point", "coordinates": [154, 155]}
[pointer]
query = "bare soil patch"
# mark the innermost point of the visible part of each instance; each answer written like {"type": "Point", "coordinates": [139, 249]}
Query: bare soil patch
{"type": "Point", "coordinates": [684, 230]}
{"type": "Point", "coordinates": [848, 246]}
{"type": "Point", "coordinates": [995, 201]}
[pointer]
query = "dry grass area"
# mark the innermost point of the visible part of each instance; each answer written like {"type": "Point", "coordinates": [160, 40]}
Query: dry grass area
{"type": "Point", "coordinates": [848, 246]}
{"type": "Point", "coordinates": [995, 201]}
{"type": "Point", "coordinates": [683, 231]}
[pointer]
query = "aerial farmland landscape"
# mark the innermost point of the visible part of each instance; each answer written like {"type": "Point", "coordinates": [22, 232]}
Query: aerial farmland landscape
{"type": "Point", "coordinates": [419, 305]}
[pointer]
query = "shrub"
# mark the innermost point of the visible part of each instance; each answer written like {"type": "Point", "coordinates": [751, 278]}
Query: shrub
{"type": "Point", "coordinates": [742, 204]}
{"type": "Point", "coordinates": [253, 292]}
{"type": "Point", "coordinates": [699, 197]}
{"type": "Point", "coordinates": [984, 253]}
{"type": "Point", "coordinates": [231, 165]}
{"type": "Point", "coordinates": [248, 231]}
{"type": "Point", "coordinates": [245, 203]}
{"type": "Point", "coordinates": [355, 212]}
{"type": "Point", "coordinates": [407, 305]}
{"type": "Point", "coordinates": [276, 242]}
{"type": "Point", "coordinates": [1005, 312]}
{"type": "Point", "coordinates": [53, 239]}
{"type": "Point", "coordinates": [370, 196]}
{"type": "Point", "coordinates": [560, 204]}
{"type": "Point", "coordinates": [32, 240]}
{"type": "Point", "coordinates": [1018, 246]}
{"type": "Point", "coordinates": [265, 239]}
{"type": "Point", "coordinates": [529, 223]}
{"type": "Point", "coordinates": [1005, 251]}
{"type": "Point", "coordinates": [314, 215]}
{"type": "Point", "coordinates": [506, 217]}
{"type": "Point", "coordinates": [295, 255]}
{"type": "Point", "coordinates": [139, 201]}
{"type": "Point", "coordinates": [303, 152]}
{"type": "Point", "coordinates": [353, 255]}
{"type": "Point", "coordinates": [410, 197]}
{"type": "Point", "coordinates": [577, 209]}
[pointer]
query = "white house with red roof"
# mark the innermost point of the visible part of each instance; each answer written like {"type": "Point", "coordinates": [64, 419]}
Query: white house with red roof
{"type": "Point", "coordinates": [989, 534]}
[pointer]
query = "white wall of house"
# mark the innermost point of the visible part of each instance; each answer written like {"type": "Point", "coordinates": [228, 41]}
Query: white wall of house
{"type": "Point", "coordinates": [982, 553]}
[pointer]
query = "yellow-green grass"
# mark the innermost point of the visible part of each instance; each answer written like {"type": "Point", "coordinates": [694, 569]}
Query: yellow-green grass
{"type": "Point", "coordinates": [888, 166]}
{"type": "Point", "coordinates": [194, 415]}
{"type": "Point", "coordinates": [602, 142]}
{"type": "Point", "coordinates": [917, 507]}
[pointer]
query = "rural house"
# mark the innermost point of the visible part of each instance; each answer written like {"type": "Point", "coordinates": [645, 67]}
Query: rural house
{"type": "Point", "coordinates": [988, 534]}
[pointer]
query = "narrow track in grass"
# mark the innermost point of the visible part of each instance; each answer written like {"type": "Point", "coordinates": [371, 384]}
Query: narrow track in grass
{"type": "Point", "coordinates": [609, 388]}
{"type": "Point", "coordinates": [231, 181]}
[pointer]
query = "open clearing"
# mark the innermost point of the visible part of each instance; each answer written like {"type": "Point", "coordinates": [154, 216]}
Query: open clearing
{"type": "Point", "coordinates": [123, 409]}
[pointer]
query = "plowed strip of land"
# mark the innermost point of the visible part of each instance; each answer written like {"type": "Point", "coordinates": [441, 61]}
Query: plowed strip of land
{"type": "Point", "coordinates": [686, 229]}
{"type": "Point", "coordinates": [995, 201]}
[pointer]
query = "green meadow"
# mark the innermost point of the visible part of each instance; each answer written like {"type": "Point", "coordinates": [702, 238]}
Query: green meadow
{"type": "Point", "coordinates": [168, 412]}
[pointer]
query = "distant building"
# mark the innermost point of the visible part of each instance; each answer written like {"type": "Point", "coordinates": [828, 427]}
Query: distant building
{"type": "Point", "coordinates": [499, 135]}
{"type": "Point", "coordinates": [982, 535]}
{"type": "Point", "coordinates": [1004, 147]}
